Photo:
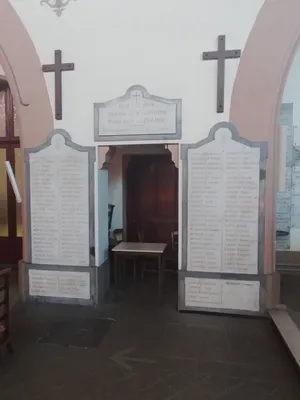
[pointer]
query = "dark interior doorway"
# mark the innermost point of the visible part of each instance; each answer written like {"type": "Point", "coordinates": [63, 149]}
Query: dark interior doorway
{"type": "Point", "coordinates": [10, 211]}
{"type": "Point", "coordinates": [151, 198]}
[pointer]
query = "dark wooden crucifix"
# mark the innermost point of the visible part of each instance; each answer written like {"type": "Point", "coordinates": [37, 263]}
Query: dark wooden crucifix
{"type": "Point", "coordinates": [221, 55]}
{"type": "Point", "coordinates": [58, 67]}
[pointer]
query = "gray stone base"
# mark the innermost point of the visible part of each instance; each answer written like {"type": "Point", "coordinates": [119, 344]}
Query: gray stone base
{"type": "Point", "coordinates": [266, 293]}
{"type": "Point", "coordinates": [25, 290]}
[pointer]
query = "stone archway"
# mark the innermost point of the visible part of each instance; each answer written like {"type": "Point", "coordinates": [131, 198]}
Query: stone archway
{"type": "Point", "coordinates": [258, 90]}
{"type": "Point", "coordinates": [23, 72]}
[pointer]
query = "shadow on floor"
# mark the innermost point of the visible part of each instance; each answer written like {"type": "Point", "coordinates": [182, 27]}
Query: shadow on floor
{"type": "Point", "coordinates": [148, 353]}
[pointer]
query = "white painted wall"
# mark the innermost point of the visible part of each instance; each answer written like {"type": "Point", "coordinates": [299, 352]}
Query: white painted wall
{"type": "Point", "coordinates": [158, 44]}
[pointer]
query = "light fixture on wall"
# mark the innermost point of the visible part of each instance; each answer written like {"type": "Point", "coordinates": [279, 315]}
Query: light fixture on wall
{"type": "Point", "coordinates": [58, 6]}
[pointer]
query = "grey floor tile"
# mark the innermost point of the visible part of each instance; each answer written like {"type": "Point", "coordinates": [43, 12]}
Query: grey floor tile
{"type": "Point", "coordinates": [192, 356]}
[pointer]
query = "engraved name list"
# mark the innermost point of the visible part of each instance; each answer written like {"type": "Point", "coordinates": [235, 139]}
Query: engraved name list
{"type": "Point", "coordinates": [223, 199]}
{"type": "Point", "coordinates": [59, 201]}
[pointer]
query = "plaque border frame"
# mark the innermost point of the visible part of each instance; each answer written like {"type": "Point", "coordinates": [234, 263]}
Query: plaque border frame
{"type": "Point", "coordinates": [286, 119]}
{"type": "Point", "coordinates": [98, 137]}
{"type": "Point", "coordinates": [184, 272]}
{"type": "Point", "coordinates": [91, 160]}
{"type": "Point", "coordinates": [224, 276]}
{"type": "Point", "coordinates": [62, 300]}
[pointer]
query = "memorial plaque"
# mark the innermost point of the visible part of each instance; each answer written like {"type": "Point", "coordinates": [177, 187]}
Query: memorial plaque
{"type": "Point", "coordinates": [296, 136]}
{"type": "Point", "coordinates": [283, 206]}
{"type": "Point", "coordinates": [295, 208]}
{"type": "Point", "coordinates": [59, 284]}
{"type": "Point", "coordinates": [288, 179]}
{"type": "Point", "coordinates": [295, 221]}
{"type": "Point", "coordinates": [296, 180]}
{"type": "Point", "coordinates": [223, 206]}
{"type": "Point", "coordinates": [297, 157]}
{"type": "Point", "coordinates": [222, 294]}
{"type": "Point", "coordinates": [289, 148]}
{"type": "Point", "coordinates": [286, 195]}
{"type": "Point", "coordinates": [138, 115]}
{"type": "Point", "coordinates": [60, 221]}
{"type": "Point", "coordinates": [284, 222]}
{"type": "Point", "coordinates": [283, 243]}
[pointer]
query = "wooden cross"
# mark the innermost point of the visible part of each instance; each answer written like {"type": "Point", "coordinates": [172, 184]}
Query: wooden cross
{"type": "Point", "coordinates": [58, 67]}
{"type": "Point", "coordinates": [221, 55]}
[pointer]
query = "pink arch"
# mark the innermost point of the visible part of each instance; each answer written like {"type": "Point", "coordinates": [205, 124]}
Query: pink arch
{"type": "Point", "coordinates": [23, 72]}
{"type": "Point", "coordinates": [258, 90]}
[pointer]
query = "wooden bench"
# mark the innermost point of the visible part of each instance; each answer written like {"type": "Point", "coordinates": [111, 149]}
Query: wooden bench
{"type": "Point", "coordinates": [5, 338]}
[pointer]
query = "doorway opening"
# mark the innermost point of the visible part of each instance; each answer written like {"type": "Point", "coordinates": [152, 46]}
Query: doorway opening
{"type": "Point", "coordinates": [143, 209]}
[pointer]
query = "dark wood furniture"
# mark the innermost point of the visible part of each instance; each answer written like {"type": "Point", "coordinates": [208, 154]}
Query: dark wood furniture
{"type": "Point", "coordinates": [151, 198]}
{"type": "Point", "coordinates": [5, 338]}
{"type": "Point", "coordinates": [135, 251]}
{"type": "Point", "coordinates": [10, 211]}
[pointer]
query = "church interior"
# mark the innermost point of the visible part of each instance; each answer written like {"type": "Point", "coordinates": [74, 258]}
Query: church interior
{"type": "Point", "coordinates": [143, 192]}
{"type": "Point", "coordinates": [141, 256]}
{"type": "Point", "coordinates": [143, 207]}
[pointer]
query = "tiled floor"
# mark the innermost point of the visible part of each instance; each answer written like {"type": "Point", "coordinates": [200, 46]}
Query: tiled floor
{"type": "Point", "coordinates": [290, 295]}
{"type": "Point", "coordinates": [290, 291]}
{"type": "Point", "coordinates": [150, 353]}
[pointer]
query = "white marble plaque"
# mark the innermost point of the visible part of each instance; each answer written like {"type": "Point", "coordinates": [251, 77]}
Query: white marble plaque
{"type": "Point", "coordinates": [284, 195]}
{"type": "Point", "coordinates": [284, 222]}
{"type": "Point", "coordinates": [62, 284]}
{"type": "Point", "coordinates": [283, 206]}
{"type": "Point", "coordinates": [295, 207]}
{"type": "Point", "coordinates": [59, 204]}
{"type": "Point", "coordinates": [282, 244]}
{"type": "Point", "coordinates": [222, 294]}
{"type": "Point", "coordinates": [296, 180]}
{"type": "Point", "coordinates": [136, 114]}
{"type": "Point", "coordinates": [223, 207]}
{"type": "Point", "coordinates": [297, 136]}
{"type": "Point", "coordinates": [295, 221]}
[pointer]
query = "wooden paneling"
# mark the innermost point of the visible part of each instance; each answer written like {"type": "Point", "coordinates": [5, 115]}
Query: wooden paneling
{"type": "Point", "coordinates": [10, 244]}
{"type": "Point", "coordinates": [151, 198]}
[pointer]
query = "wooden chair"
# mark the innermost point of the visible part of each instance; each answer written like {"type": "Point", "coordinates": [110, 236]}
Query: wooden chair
{"type": "Point", "coordinates": [174, 238]}
{"type": "Point", "coordinates": [118, 235]}
{"type": "Point", "coordinates": [5, 339]}
{"type": "Point", "coordinates": [171, 256]}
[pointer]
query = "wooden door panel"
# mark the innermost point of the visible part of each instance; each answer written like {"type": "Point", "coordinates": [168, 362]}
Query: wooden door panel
{"type": "Point", "coordinates": [152, 198]}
